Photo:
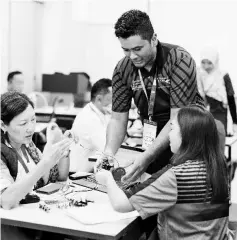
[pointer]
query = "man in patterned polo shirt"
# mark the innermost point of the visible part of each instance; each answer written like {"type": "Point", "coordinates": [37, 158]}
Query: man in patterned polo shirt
{"type": "Point", "coordinates": [161, 78]}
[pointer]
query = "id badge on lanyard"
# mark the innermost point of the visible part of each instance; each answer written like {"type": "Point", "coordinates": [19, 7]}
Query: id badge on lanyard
{"type": "Point", "coordinates": [150, 127]}
{"type": "Point", "coordinates": [149, 133]}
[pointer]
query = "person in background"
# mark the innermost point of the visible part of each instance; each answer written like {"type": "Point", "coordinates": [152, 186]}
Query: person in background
{"type": "Point", "coordinates": [190, 195]}
{"type": "Point", "coordinates": [134, 128]}
{"type": "Point", "coordinates": [15, 81]}
{"type": "Point", "coordinates": [90, 126]}
{"type": "Point", "coordinates": [161, 78]}
{"type": "Point", "coordinates": [23, 166]}
{"type": "Point", "coordinates": [216, 88]}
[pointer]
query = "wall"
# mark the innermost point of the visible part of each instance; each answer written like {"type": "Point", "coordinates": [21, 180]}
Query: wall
{"type": "Point", "coordinates": [78, 35]}
{"type": "Point", "coordinates": [194, 24]}
{"type": "Point", "coordinates": [4, 42]}
{"type": "Point", "coordinates": [23, 41]}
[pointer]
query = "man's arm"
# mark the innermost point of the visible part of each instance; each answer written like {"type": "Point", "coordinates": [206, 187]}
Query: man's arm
{"type": "Point", "coordinates": [116, 132]}
{"type": "Point", "coordinates": [183, 91]}
{"type": "Point", "coordinates": [144, 159]}
{"type": "Point", "coordinates": [161, 142]}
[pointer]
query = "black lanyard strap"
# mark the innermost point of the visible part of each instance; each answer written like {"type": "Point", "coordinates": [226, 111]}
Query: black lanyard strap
{"type": "Point", "coordinates": [151, 101]}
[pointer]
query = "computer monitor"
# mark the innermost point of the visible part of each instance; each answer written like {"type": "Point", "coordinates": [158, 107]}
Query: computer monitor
{"type": "Point", "coordinates": [59, 83]}
{"type": "Point", "coordinates": [76, 83]}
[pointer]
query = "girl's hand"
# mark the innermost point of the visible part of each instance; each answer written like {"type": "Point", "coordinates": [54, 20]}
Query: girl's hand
{"type": "Point", "coordinates": [103, 176]}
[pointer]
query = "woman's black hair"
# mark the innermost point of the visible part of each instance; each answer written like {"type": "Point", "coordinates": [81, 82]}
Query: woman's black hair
{"type": "Point", "coordinates": [12, 104]}
{"type": "Point", "coordinates": [200, 141]}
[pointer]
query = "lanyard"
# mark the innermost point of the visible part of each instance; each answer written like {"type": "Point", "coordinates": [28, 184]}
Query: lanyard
{"type": "Point", "coordinates": [151, 102]}
{"type": "Point", "coordinates": [23, 150]}
{"type": "Point", "coordinates": [22, 162]}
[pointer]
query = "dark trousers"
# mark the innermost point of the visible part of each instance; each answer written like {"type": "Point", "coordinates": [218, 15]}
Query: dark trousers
{"type": "Point", "coordinates": [218, 111]}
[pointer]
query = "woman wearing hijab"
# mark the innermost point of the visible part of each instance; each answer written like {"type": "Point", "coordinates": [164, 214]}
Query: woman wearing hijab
{"type": "Point", "coordinates": [216, 88]}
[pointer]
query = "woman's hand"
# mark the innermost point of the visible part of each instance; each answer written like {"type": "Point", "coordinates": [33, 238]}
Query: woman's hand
{"type": "Point", "coordinates": [103, 176]}
{"type": "Point", "coordinates": [53, 133]}
{"type": "Point", "coordinates": [57, 151]}
{"type": "Point", "coordinates": [70, 134]}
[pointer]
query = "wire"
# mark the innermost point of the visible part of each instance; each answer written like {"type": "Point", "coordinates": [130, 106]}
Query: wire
{"type": "Point", "coordinates": [100, 153]}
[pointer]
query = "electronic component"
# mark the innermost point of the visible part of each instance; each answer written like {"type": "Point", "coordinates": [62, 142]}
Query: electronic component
{"type": "Point", "coordinates": [118, 173]}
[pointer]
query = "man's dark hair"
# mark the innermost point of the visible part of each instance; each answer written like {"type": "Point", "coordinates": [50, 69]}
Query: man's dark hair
{"type": "Point", "coordinates": [12, 74]}
{"type": "Point", "coordinates": [134, 22]}
{"type": "Point", "coordinates": [100, 87]}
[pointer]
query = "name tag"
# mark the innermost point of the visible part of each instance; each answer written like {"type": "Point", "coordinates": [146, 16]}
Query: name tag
{"type": "Point", "coordinates": [136, 85]}
{"type": "Point", "coordinates": [149, 133]}
{"type": "Point", "coordinates": [164, 80]}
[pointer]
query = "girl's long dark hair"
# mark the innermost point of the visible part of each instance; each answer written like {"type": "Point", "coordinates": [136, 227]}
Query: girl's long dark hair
{"type": "Point", "coordinates": [200, 141]}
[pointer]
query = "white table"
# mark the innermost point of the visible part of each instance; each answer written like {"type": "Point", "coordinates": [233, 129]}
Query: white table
{"type": "Point", "coordinates": [31, 216]}
{"type": "Point", "coordinates": [70, 111]}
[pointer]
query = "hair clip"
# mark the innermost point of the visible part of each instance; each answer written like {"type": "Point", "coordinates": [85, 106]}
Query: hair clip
{"type": "Point", "coordinates": [44, 207]}
{"type": "Point", "coordinates": [50, 202]}
{"type": "Point", "coordinates": [64, 205]}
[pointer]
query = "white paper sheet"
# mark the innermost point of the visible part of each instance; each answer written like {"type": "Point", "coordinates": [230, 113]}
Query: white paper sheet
{"type": "Point", "coordinates": [98, 213]}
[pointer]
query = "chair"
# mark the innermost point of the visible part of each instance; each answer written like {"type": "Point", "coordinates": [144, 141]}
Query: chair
{"type": "Point", "coordinates": [38, 99]}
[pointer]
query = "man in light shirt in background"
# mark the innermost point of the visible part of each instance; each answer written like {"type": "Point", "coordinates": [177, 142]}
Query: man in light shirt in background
{"type": "Point", "coordinates": [90, 127]}
{"type": "Point", "coordinates": [15, 81]}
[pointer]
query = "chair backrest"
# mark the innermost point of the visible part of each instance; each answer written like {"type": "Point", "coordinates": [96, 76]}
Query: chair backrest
{"type": "Point", "coordinates": [38, 99]}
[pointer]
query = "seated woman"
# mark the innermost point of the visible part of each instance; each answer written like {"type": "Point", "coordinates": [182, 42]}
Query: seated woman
{"type": "Point", "coordinates": [23, 166]}
{"type": "Point", "coordinates": [190, 196]}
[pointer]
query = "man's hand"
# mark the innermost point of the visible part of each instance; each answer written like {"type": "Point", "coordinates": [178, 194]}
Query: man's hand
{"type": "Point", "coordinates": [137, 168]}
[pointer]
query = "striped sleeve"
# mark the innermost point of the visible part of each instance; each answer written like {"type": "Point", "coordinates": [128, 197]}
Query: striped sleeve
{"type": "Point", "coordinates": [122, 94]}
{"type": "Point", "coordinates": [192, 182]}
{"type": "Point", "coordinates": [183, 88]}
{"type": "Point", "coordinates": [156, 197]}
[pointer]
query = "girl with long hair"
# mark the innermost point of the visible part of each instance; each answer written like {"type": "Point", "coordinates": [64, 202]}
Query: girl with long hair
{"type": "Point", "coordinates": [191, 196]}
